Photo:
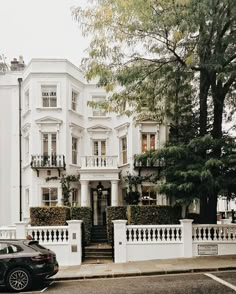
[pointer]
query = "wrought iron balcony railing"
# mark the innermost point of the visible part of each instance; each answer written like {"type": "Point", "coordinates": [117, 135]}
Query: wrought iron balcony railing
{"type": "Point", "coordinates": [99, 162]}
{"type": "Point", "coordinates": [148, 163]}
{"type": "Point", "coordinates": [48, 162]}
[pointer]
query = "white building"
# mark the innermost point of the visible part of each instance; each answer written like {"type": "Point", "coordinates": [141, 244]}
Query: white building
{"type": "Point", "coordinates": [61, 134]}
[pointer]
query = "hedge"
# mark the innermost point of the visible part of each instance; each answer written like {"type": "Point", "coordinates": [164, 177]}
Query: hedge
{"type": "Point", "coordinates": [84, 214]}
{"type": "Point", "coordinates": [49, 216]}
{"type": "Point", "coordinates": [153, 215]}
{"type": "Point", "coordinates": [114, 213]}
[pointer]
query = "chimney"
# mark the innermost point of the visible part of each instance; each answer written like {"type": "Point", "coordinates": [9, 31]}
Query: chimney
{"type": "Point", "coordinates": [17, 65]}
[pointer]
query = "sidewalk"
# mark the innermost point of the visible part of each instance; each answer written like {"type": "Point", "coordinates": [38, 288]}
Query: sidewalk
{"type": "Point", "coordinates": [151, 267]}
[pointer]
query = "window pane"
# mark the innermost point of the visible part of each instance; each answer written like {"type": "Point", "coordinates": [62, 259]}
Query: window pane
{"type": "Point", "coordinates": [103, 148]}
{"type": "Point", "coordinates": [49, 96]}
{"type": "Point", "coordinates": [144, 142]}
{"type": "Point", "coordinates": [98, 111]}
{"type": "Point", "coordinates": [95, 148]}
{"type": "Point", "coordinates": [152, 141]}
{"type": "Point", "coordinates": [74, 150]}
{"type": "Point", "coordinates": [74, 100]}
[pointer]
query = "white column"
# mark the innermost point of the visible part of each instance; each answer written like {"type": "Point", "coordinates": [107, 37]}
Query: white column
{"type": "Point", "coordinates": [84, 193]}
{"type": "Point", "coordinates": [120, 240]}
{"type": "Point", "coordinates": [114, 193]}
{"type": "Point", "coordinates": [74, 240]}
{"type": "Point", "coordinates": [187, 237]}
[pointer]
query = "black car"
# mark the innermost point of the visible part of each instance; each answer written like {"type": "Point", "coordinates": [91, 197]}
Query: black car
{"type": "Point", "coordinates": [23, 261]}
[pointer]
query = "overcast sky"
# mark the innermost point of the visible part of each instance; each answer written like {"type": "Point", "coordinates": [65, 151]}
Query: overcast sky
{"type": "Point", "coordinates": [40, 29]}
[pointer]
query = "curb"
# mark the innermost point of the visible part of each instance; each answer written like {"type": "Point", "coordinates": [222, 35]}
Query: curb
{"type": "Point", "coordinates": [147, 273]}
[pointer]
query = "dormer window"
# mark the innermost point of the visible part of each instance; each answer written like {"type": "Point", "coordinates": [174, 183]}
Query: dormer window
{"type": "Point", "coordinates": [49, 96]}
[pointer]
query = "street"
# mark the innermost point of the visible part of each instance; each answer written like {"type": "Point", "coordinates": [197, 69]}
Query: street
{"type": "Point", "coordinates": [215, 282]}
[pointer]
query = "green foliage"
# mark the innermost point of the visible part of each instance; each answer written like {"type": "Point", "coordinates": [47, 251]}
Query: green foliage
{"type": "Point", "coordinates": [132, 194]}
{"type": "Point", "coordinates": [49, 216]}
{"type": "Point", "coordinates": [153, 215]}
{"type": "Point", "coordinates": [66, 181]}
{"type": "Point", "coordinates": [114, 213]}
{"type": "Point", "coordinates": [84, 214]}
{"type": "Point", "coordinates": [195, 170]}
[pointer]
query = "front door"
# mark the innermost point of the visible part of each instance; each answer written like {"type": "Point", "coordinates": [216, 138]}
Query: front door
{"type": "Point", "coordinates": [100, 201]}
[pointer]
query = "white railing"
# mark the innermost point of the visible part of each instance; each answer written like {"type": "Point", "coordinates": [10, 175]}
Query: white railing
{"type": "Point", "coordinates": [99, 161]}
{"type": "Point", "coordinates": [57, 234]}
{"type": "Point", "coordinates": [44, 161]}
{"type": "Point", "coordinates": [153, 234]}
{"type": "Point", "coordinates": [214, 233]}
{"type": "Point", "coordinates": [7, 233]}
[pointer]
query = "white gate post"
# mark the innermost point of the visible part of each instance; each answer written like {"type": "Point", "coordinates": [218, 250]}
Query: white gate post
{"type": "Point", "coordinates": [21, 231]}
{"type": "Point", "coordinates": [187, 237]}
{"type": "Point", "coordinates": [120, 241]}
{"type": "Point", "coordinates": [75, 240]}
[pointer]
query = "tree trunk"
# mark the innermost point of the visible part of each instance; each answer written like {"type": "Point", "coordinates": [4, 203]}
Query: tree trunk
{"type": "Point", "coordinates": [204, 88]}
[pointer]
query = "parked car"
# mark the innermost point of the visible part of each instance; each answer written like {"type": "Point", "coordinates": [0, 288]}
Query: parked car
{"type": "Point", "coordinates": [23, 261]}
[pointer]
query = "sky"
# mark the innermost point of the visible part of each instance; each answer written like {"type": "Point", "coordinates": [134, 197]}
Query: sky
{"type": "Point", "coordinates": [40, 29]}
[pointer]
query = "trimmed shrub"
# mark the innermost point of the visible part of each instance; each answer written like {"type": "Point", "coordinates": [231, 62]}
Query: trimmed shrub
{"type": "Point", "coordinates": [153, 215]}
{"type": "Point", "coordinates": [84, 214]}
{"type": "Point", "coordinates": [49, 216]}
{"type": "Point", "coordinates": [114, 213]}
{"type": "Point", "coordinates": [194, 216]}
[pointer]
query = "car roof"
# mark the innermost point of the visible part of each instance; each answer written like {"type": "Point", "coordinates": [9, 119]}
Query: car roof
{"type": "Point", "coordinates": [24, 241]}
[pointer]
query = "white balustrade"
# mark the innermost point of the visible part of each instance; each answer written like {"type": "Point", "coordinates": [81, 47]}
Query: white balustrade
{"type": "Point", "coordinates": [214, 233]}
{"type": "Point", "coordinates": [39, 161]}
{"type": "Point", "coordinates": [153, 234]}
{"type": "Point", "coordinates": [7, 233]}
{"type": "Point", "coordinates": [99, 161]}
{"type": "Point", "coordinates": [50, 234]}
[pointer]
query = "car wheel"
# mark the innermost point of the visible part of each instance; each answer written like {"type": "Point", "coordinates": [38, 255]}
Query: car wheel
{"type": "Point", "coordinates": [19, 279]}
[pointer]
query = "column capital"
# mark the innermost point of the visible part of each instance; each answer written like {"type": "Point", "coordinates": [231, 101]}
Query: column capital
{"type": "Point", "coordinates": [84, 182]}
{"type": "Point", "coordinates": [114, 182]}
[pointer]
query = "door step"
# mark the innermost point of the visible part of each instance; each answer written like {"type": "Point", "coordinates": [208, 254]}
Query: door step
{"type": "Point", "coordinates": [98, 253]}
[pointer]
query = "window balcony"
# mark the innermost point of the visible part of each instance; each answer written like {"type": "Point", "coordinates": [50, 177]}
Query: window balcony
{"type": "Point", "coordinates": [99, 162]}
{"type": "Point", "coordinates": [39, 162]}
{"type": "Point", "coordinates": [148, 163]}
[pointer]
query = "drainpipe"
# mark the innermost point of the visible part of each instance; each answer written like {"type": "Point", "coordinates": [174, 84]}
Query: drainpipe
{"type": "Point", "coordinates": [20, 156]}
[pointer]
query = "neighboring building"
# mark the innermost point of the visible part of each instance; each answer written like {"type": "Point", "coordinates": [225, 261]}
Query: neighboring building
{"type": "Point", "coordinates": [61, 134]}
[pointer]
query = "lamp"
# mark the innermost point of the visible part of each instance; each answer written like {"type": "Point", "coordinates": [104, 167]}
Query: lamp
{"type": "Point", "coordinates": [99, 190]}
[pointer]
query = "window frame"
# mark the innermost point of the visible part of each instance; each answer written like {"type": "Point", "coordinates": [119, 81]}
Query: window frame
{"type": "Point", "coordinates": [74, 152]}
{"type": "Point", "coordinates": [49, 201]}
{"type": "Point", "coordinates": [148, 141]}
{"type": "Point", "coordinates": [51, 89]}
{"type": "Point", "coordinates": [98, 112]}
{"type": "Point", "coordinates": [150, 191]}
{"type": "Point", "coordinates": [123, 151]}
{"type": "Point", "coordinates": [74, 104]}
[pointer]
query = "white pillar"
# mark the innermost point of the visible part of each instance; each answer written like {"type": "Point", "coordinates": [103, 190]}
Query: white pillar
{"type": "Point", "coordinates": [120, 241]}
{"type": "Point", "coordinates": [21, 231]}
{"type": "Point", "coordinates": [75, 244]}
{"type": "Point", "coordinates": [84, 193]}
{"type": "Point", "coordinates": [187, 237]}
{"type": "Point", "coordinates": [114, 193]}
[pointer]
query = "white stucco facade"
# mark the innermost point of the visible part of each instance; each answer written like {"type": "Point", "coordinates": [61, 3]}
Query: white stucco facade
{"type": "Point", "coordinates": [61, 134]}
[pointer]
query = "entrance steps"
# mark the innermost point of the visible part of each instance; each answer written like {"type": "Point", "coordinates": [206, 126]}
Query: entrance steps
{"type": "Point", "coordinates": [99, 234]}
{"type": "Point", "coordinates": [99, 251]}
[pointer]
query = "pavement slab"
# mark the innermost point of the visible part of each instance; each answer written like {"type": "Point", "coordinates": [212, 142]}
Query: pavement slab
{"type": "Point", "coordinates": [150, 267]}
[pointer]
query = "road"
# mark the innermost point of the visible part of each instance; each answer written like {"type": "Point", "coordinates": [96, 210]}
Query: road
{"type": "Point", "coordinates": [195, 283]}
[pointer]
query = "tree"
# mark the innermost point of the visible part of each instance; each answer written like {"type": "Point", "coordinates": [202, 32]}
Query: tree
{"type": "Point", "coordinates": [161, 52]}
